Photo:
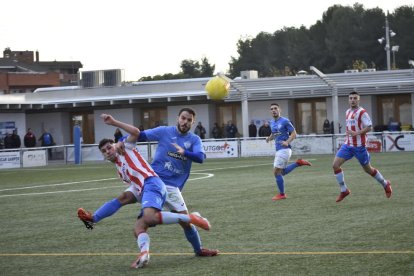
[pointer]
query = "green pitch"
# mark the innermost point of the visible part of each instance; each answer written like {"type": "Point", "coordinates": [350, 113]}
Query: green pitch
{"type": "Point", "coordinates": [307, 234]}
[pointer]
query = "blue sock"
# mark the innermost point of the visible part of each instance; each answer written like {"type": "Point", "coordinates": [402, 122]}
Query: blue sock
{"type": "Point", "coordinates": [193, 237]}
{"type": "Point", "coordinates": [108, 209]}
{"type": "Point", "coordinates": [290, 168]}
{"type": "Point", "coordinates": [280, 181]}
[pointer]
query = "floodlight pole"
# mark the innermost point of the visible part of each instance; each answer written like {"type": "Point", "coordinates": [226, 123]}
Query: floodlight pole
{"type": "Point", "coordinates": [387, 42]}
{"type": "Point", "coordinates": [244, 103]}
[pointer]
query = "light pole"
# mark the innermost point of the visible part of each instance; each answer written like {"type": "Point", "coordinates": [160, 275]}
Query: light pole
{"type": "Point", "coordinates": [387, 48]}
{"type": "Point", "coordinates": [394, 49]}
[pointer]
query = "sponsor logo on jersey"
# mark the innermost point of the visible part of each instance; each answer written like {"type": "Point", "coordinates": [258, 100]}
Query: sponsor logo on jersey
{"type": "Point", "coordinates": [176, 155]}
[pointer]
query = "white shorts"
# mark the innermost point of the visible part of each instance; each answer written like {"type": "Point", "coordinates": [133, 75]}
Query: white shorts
{"type": "Point", "coordinates": [131, 188]}
{"type": "Point", "coordinates": [282, 158]}
{"type": "Point", "coordinates": [175, 200]}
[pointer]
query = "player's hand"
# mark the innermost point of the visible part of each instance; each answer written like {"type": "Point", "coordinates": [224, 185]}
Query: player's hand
{"type": "Point", "coordinates": [352, 133]}
{"type": "Point", "coordinates": [179, 149]}
{"type": "Point", "coordinates": [270, 138]}
{"type": "Point", "coordinates": [108, 119]}
{"type": "Point", "coordinates": [284, 143]}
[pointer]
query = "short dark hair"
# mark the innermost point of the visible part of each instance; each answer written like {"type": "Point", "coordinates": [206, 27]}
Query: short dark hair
{"type": "Point", "coordinates": [104, 141]}
{"type": "Point", "coordinates": [354, 93]}
{"type": "Point", "coordinates": [274, 104]}
{"type": "Point", "coordinates": [189, 110]}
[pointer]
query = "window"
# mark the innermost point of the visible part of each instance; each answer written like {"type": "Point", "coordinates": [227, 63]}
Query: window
{"type": "Point", "coordinates": [310, 115]}
{"type": "Point", "coordinates": [154, 117]}
{"type": "Point", "coordinates": [397, 107]}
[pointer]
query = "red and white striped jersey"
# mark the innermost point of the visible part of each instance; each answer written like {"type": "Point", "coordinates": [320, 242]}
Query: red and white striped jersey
{"type": "Point", "coordinates": [133, 168]}
{"type": "Point", "coordinates": [356, 119]}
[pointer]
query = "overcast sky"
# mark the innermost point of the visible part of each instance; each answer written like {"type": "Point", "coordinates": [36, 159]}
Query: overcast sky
{"type": "Point", "coordinates": [146, 38]}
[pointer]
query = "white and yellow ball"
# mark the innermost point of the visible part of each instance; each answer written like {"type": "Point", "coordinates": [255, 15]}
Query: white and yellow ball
{"type": "Point", "coordinates": [217, 88]}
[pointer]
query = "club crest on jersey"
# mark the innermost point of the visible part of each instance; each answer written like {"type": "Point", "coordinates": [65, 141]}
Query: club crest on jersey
{"type": "Point", "coordinates": [187, 145]}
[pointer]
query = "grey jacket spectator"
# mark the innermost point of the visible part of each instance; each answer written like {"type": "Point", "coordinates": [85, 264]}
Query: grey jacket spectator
{"type": "Point", "coordinates": [252, 129]}
{"type": "Point", "coordinates": [265, 130]}
{"type": "Point", "coordinates": [231, 130]}
{"type": "Point", "coordinates": [200, 131]}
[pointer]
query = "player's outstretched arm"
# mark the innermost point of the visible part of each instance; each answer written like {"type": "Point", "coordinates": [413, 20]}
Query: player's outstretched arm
{"type": "Point", "coordinates": [133, 131]}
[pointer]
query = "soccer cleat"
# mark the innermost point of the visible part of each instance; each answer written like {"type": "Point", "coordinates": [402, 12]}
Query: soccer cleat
{"type": "Point", "coordinates": [388, 189]}
{"type": "Point", "coordinates": [204, 252]}
{"type": "Point", "coordinates": [343, 195]}
{"type": "Point", "coordinates": [279, 196]}
{"type": "Point", "coordinates": [142, 260]}
{"type": "Point", "coordinates": [303, 162]}
{"type": "Point", "coordinates": [86, 217]}
{"type": "Point", "coordinates": [198, 220]}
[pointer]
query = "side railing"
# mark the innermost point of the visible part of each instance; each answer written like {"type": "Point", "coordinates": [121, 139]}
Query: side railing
{"type": "Point", "coordinates": [214, 148]}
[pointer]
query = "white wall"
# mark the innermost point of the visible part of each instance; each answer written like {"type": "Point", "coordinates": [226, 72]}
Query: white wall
{"type": "Point", "coordinates": [57, 123]}
{"type": "Point", "coordinates": [103, 130]}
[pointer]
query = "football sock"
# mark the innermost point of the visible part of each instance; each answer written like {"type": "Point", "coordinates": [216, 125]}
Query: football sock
{"type": "Point", "coordinates": [280, 181]}
{"type": "Point", "coordinates": [170, 218]}
{"type": "Point", "coordinates": [339, 174]}
{"type": "Point", "coordinates": [107, 209]}
{"type": "Point", "coordinates": [143, 242]}
{"type": "Point", "coordinates": [290, 168]}
{"type": "Point", "coordinates": [378, 176]}
{"type": "Point", "coordinates": [193, 237]}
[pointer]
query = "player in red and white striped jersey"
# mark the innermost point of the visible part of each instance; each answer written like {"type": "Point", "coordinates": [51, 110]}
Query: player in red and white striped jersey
{"type": "Point", "coordinates": [358, 124]}
{"type": "Point", "coordinates": [146, 186]}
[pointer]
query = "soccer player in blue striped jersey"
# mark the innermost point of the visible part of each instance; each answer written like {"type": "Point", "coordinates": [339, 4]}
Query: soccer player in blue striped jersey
{"type": "Point", "coordinates": [283, 133]}
{"type": "Point", "coordinates": [177, 149]}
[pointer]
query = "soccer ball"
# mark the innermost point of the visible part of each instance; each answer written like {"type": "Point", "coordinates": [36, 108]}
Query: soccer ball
{"type": "Point", "coordinates": [217, 88]}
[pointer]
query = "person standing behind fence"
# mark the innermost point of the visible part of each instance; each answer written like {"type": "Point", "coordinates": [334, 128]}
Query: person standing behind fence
{"type": "Point", "coordinates": [252, 129]}
{"type": "Point", "coordinates": [265, 130]}
{"type": "Point", "coordinates": [46, 141]}
{"type": "Point", "coordinates": [29, 139]}
{"type": "Point", "coordinates": [117, 135]}
{"type": "Point", "coordinates": [358, 124]}
{"type": "Point", "coordinates": [216, 131]}
{"type": "Point", "coordinates": [200, 131]}
{"type": "Point", "coordinates": [283, 133]}
{"type": "Point", "coordinates": [231, 130]}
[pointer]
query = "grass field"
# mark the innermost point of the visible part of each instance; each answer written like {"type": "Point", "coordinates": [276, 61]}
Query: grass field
{"type": "Point", "coordinates": [307, 234]}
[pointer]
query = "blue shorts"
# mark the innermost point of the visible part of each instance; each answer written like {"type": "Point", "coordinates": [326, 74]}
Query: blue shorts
{"type": "Point", "coordinates": [154, 193]}
{"type": "Point", "coordinates": [361, 153]}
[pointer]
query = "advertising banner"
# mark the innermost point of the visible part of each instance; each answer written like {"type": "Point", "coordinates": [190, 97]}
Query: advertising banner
{"type": "Point", "coordinates": [312, 145]}
{"type": "Point", "coordinates": [34, 158]}
{"type": "Point", "coordinates": [221, 149]}
{"type": "Point", "coordinates": [257, 147]}
{"type": "Point", "coordinates": [9, 159]}
{"type": "Point", "coordinates": [399, 142]}
{"type": "Point", "coordinates": [374, 143]}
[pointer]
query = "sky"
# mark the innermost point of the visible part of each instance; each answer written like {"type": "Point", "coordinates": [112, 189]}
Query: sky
{"type": "Point", "coordinates": [147, 38]}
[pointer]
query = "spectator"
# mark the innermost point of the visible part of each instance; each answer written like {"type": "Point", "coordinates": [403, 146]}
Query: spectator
{"type": "Point", "coordinates": [223, 131]}
{"type": "Point", "coordinates": [394, 125]}
{"type": "Point", "coordinates": [216, 131]}
{"type": "Point", "coordinates": [326, 127]}
{"type": "Point", "coordinates": [252, 129]}
{"type": "Point", "coordinates": [16, 140]}
{"type": "Point", "coordinates": [8, 141]}
{"type": "Point", "coordinates": [200, 131]}
{"type": "Point", "coordinates": [29, 139]}
{"type": "Point", "coordinates": [47, 141]}
{"type": "Point", "coordinates": [265, 130]}
{"type": "Point", "coordinates": [117, 135]}
{"type": "Point", "coordinates": [231, 130]}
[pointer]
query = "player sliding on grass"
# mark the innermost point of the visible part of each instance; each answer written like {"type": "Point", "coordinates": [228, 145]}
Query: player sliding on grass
{"type": "Point", "coordinates": [283, 133]}
{"type": "Point", "coordinates": [177, 148]}
{"type": "Point", "coordinates": [145, 185]}
{"type": "Point", "coordinates": [358, 124]}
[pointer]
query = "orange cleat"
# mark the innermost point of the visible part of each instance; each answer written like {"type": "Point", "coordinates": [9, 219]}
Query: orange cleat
{"type": "Point", "coordinates": [86, 217]}
{"type": "Point", "coordinates": [343, 195]}
{"type": "Point", "coordinates": [207, 253]}
{"type": "Point", "coordinates": [142, 260]}
{"type": "Point", "coordinates": [388, 189]}
{"type": "Point", "coordinates": [303, 162]}
{"type": "Point", "coordinates": [198, 220]}
{"type": "Point", "coordinates": [279, 196]}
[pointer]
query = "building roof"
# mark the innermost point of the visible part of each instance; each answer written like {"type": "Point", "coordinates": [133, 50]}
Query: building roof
{"type": "Point", "coordinates": [308, 86]}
